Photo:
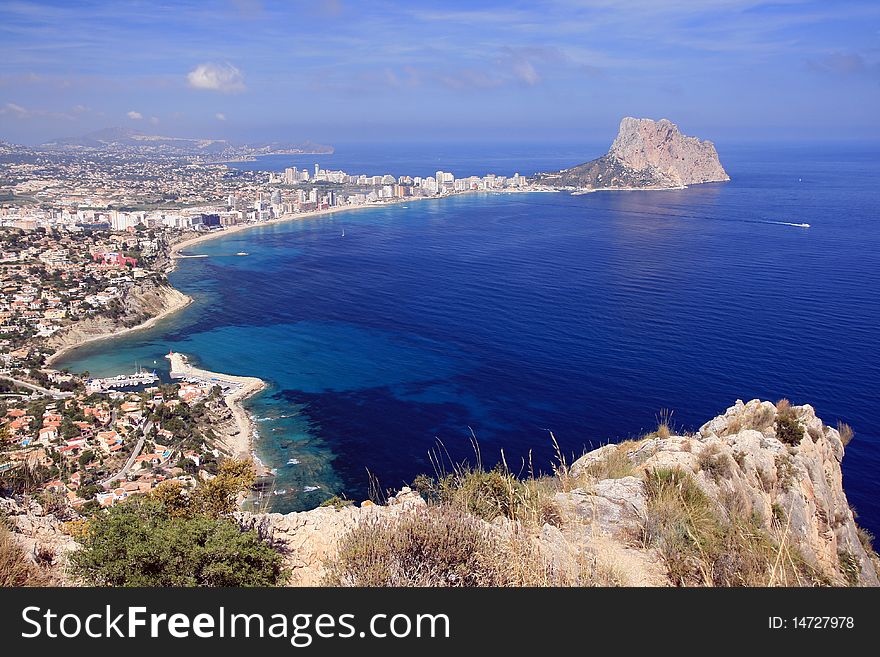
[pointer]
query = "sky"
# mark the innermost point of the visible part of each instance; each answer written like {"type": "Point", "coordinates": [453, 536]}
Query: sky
{"type": "Point", "coordinates": [379, 70]}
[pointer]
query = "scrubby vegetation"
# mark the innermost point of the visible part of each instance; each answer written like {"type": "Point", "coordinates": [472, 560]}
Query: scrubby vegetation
{"type": "Point", "coordinates": [172, 538]}
{"type": "Point", "coordinates": [16, 569]}
{"type": "Point", "coordinates": [788, 428]}
{"type": "Point", "coordinates": [703, 545]}
{"type": "Point", "coordinates": [436, 546]}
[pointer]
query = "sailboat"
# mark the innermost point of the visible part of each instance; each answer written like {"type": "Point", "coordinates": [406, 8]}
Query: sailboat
{"type": "Point", "coordinates": [343, 232]}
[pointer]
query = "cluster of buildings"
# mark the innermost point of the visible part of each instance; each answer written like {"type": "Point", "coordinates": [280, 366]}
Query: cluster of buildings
{"type": "Point", "coordinates": [51, 278]}
{"type": "Point", "coordinates": [122, 193]}
{"type": "Point", "coordinates": [81, 236]}
{"type": "Point", "coordinates": [83, 442]}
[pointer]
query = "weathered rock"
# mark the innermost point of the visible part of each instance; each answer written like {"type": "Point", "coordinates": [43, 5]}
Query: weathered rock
{"type": "Point", "coordinates": [739, 463]}
{"type": "Point", "coordinates": [308, 539]}
{"type": "Point", "coordinates": [792, 491]}
{"type": "Point", "coordinates": [646, 154]}
{"type": "Point", "coordinates": [41, 536]}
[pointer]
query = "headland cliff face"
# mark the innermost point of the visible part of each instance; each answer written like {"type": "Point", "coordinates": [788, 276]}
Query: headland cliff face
{"type": "Point", "coordinates": [753, 498]}
{"type": "Point", "coordinates": [646, 154]}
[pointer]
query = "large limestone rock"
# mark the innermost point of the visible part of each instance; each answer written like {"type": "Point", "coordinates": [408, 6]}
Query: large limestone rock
{"type": "Point", "coordinates": [646, 154]}
{"type": "Point", "coordinates": [738, 461]}
{"type": "Point", "coordinates": [41, 536]}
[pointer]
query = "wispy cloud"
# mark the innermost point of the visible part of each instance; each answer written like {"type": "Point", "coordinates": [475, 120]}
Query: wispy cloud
{"type": "Point", "coordinates": [220, 116]}
{"type": "Point", "coordinates": [844, 63]}
{"type": "Point", "coordinates": [134, 116]}
{"type": "Point", "coordinates": [17, 111]}
{"type": "Point", "coordinates": [225, 78]}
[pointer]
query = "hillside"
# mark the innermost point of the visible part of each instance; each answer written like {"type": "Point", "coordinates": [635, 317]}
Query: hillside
{"type": "Point", "coordinates": [114, 140]}
{"type": "Point", "coordinates": [753, 498]}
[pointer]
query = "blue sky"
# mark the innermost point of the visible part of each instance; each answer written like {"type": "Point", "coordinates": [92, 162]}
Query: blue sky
{"type": "Point", "coordinates": [341, 70]}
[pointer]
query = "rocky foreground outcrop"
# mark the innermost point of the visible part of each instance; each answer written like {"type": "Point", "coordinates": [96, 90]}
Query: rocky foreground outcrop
{"type": "Point", "coordinates": [646, 154]}
{"type": "Point", "coordinates": [792, 495]}
{"type": "Point", "coordinates": [769, 509]}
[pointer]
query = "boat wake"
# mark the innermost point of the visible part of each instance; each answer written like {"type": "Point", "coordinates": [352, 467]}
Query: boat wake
{"type": "Point", "coordinates": [787, 223]}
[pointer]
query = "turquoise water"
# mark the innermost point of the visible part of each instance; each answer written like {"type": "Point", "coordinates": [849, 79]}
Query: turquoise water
{"type": "Point", "coordinates": [513, 315]}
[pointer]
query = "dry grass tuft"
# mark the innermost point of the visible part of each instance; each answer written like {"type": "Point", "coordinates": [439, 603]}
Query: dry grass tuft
{"type": "Point", "coordinates": [15, 567]}
{"type": "Point", "coordinates": [700, 547]}
{"type": "Point", "coordinates": [436, 546]}
{"type": "Point", "coordinates": [846, 433]}
{"type": "Point", "coordinates": [715, 462]}
{"type": "Point", "coordinates": [664, 424]}
{"type": "Point", "coordinates": [616, 464]}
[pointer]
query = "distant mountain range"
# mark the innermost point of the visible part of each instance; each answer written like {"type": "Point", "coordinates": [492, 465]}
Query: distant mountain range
{"type": "Point", "coordinates": [134, 141]}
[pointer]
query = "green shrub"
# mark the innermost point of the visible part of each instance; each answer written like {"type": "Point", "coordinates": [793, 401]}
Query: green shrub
{"type": "Point", "coordinates": [139, 543]}
{"type": "Point", "coordinates": [788, 428]}
{"type": "Point", "coordinates": [336, 502]}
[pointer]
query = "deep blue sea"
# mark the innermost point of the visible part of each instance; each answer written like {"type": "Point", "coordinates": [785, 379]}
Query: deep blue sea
{"type": "Point", "coordinates": [514, 315]}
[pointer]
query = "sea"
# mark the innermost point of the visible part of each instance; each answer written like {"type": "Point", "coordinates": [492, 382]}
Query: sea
{"type": "Point", "coordinates": [474, 327]}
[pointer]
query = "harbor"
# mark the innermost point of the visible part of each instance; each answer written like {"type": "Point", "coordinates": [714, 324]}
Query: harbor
{"type": "Point", "coordinates": [138, 378]}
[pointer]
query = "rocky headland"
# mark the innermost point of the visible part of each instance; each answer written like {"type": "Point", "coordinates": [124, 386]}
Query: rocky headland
{"type": "Point", "coordinates": [646, 154]}
{"type": "Point", "coordinates": [140, 308]}
{"type": "Point", "coordinates": [754, 498]}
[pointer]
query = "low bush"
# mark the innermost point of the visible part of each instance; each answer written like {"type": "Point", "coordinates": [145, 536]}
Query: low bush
{"type": "Point", "coordinates": [176, 538]}
{"type": "Point", "coordinates": [435, 546]}
{"type": "Point", "coordinates": [788, 428]}
{"type": "Point", "coordinates": [138, 543]}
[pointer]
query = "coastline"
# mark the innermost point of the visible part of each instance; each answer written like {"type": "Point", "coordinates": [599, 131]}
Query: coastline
{"type": "Point", "coordinates": [239, 388]}
{"type": "Point", "coordinates": [180, 302]}
{"type": "Point", "coordinates": [177, 247]}
{"type": "Point", "coordinates": [243, 443]}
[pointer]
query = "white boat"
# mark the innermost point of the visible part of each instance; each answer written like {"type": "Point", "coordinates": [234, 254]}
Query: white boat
{"type": "Point", "coordinates": [242, 253]}
{"type": "Point", "coordinates": [309, 489]}
{"type": "Point", "coordinates": [292, 461]}
{"type": "Point", "coordinates": [343, 232]}
{"type": "Point", "coordinates": [279, 492]}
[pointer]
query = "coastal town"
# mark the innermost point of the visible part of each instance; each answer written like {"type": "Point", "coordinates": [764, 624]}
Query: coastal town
{"type": "Point", "coordinates": [86, 244]}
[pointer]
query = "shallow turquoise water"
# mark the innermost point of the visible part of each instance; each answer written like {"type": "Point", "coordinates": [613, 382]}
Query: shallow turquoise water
{"type": "Point", "coordinates": [512, 315]}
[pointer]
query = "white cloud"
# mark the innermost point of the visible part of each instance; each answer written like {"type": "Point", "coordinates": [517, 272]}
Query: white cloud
{"type": "Point", "coordinates": [525, 72]}
{"type": "Point", "coordinates": [216, 77]}
{"type": "Point", "coordinates": [135, 116]}
{"type": "Point", "coordinates": [16, 110]}
{"type": "Point", "coordinates": [220, 116]}
{"type": "Point", "coordinates": [19, 112]}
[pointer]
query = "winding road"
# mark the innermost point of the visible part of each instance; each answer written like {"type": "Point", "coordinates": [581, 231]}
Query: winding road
{"type": "Point", "coordinates": [134, 454]}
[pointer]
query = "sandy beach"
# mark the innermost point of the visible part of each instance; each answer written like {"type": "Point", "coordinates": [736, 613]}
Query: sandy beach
{"type": "Point", "coordinates": [238, 389]}
{"type": "Point", "coordinates": [214, 234]}
{"type": "Point", "coordinates": [175, 301]}
{"type": "Point", "coordinates": [241, 444]}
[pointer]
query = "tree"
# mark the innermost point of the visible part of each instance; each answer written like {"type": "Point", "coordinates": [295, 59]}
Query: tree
{"type": "Point", "coordinates": [217, 496]}
{"type": "Point", "coordinates": [86, 457]}
{"type": "Point", "coordinates": [138, 543]}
